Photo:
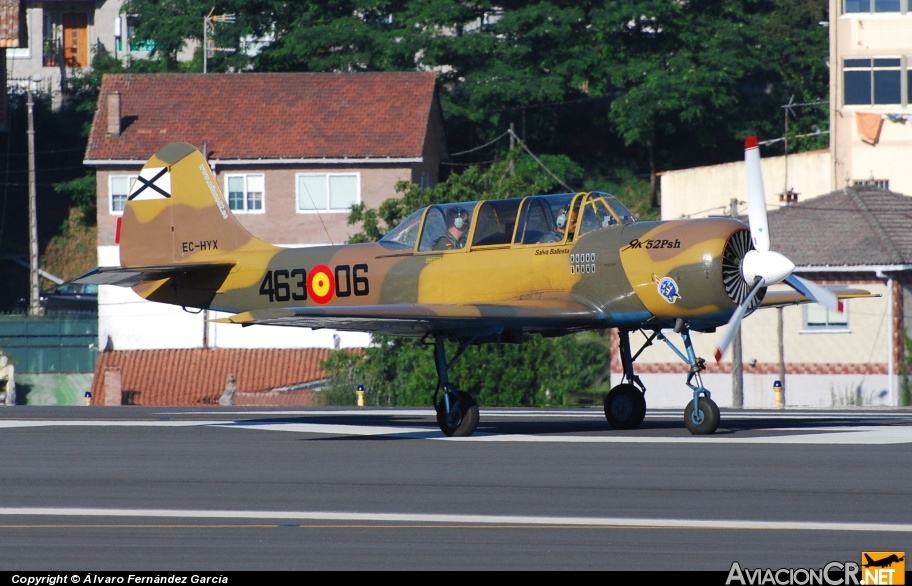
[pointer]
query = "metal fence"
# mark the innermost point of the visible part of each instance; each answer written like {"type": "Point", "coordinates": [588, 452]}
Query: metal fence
{"type": "Point", "coordinates": [40, 345]}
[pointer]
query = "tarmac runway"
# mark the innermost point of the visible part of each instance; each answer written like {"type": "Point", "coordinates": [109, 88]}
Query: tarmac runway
{"type": "Point", "coordinates": [222, 489]}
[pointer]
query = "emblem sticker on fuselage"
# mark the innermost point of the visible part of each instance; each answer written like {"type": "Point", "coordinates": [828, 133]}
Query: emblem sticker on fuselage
{"type": "Point", "coordinates": [667, 288]}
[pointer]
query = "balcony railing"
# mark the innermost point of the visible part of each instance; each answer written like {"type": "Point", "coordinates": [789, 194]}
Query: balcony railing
{"type": "Point", "coordinates": [53, 53]}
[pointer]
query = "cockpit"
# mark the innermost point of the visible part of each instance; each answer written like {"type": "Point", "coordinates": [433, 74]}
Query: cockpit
{"type": "Point", "coordinates": [536, 220]}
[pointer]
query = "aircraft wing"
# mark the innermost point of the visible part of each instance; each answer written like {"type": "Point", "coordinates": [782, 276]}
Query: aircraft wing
{"type": "Point", "coordinates": [420, 319]}
{"type": "Point", "coordinates": [128, 277]}
{"type": "Point", "coordinates": [785, 297]}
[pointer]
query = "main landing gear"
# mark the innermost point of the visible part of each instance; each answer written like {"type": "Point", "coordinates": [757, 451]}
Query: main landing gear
{"type": "Point", "coordinates": [625, 404]}
{"type": "Point", "coordinates": [457, 412]}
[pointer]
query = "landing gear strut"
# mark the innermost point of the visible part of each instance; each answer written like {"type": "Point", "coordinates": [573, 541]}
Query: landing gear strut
{"type": "Point", "coordinates": [457, 412]}
{"type": "Point", "coordinates": [625, 404]}
{"type": "Point", "coordinates": [701, 416]}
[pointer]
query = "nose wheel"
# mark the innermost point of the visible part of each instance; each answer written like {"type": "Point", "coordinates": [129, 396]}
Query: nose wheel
{"type": "Point", "coordinates": [704, 420]}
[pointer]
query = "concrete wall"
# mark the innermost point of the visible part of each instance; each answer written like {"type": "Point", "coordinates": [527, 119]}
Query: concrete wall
{"type": "Point", "coordinates": [667, 390]}
{"type": "Point", "coordinates": [707, 191]}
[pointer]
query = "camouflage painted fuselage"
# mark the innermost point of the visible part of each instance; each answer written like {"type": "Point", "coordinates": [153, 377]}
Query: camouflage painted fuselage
{"type": "Point", "coordinates": [180, 244]}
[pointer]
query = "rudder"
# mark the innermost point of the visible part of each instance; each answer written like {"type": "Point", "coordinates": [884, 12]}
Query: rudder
{"type": "Point", "coordinates": [175, 213]}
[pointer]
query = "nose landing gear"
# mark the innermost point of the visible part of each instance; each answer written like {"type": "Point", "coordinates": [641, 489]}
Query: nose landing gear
{"type": "Point", "coordinates": [625, 404]}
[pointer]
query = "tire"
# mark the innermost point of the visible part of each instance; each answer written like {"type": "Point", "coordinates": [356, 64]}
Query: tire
{"type": "Point", "coordinates": [710, 417]}
{"type": "Point", "coordinates": [625, 407]}
{"type": "Point", "coordinates": [469, 423]}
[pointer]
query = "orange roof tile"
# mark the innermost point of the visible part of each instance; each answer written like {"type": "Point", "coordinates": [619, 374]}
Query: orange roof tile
{"type": "Point", "coordinates": [267, 115]}
{"type": "Point", "coordinates": [198, 376]}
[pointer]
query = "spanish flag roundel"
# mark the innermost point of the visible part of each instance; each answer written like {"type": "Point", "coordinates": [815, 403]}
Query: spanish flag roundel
{"type": "Point", "coordinates": [320, 284]}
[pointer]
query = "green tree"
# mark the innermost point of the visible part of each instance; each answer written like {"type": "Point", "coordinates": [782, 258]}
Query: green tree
{"type": "Point", "coordinates": [675, 66]}
{"type": "Point", "coordinates": [171, 24]}
{"type": "Point", "coordinates": [540, 372]}
{"type": "Point", "coordinates": [636, 84]}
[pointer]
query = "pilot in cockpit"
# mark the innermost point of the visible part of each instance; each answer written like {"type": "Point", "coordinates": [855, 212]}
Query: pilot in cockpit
{"type": "Point", "coordinates": [457, 221]}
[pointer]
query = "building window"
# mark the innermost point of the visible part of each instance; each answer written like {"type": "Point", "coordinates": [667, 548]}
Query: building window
{"type": "Point", "coordinates": [245, 192]}
{"type": "Point", "coordinates": [819, 318]}
{"type": "Point", "coordinates": [120, 189]}
{"type": "Point", "coordinates": [878, 80]}
{"type": "Point", "coordinates": [878, 183]}
{"type": "Point", "coordinates": [851, 6]}
{"type": "Point", "coordinates": [328, 192]}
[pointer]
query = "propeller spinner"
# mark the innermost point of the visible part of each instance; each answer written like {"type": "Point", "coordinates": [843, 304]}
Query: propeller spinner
{"type": "Point", "coordinates": [761, 266]}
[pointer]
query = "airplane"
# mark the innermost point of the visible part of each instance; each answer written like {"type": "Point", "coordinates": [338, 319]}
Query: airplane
{"type": "Point", "coordinates": [549, 265]}
{"type": "Point", "coordinates": [883, 562]}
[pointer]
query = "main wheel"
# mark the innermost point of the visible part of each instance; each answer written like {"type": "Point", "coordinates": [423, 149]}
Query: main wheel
{"type": "Point", "coordinates": [708, 417]}
{"type": "Point", "coordinates": [466, 425]}
{"type": "Point", "coordinates": [625, 407]}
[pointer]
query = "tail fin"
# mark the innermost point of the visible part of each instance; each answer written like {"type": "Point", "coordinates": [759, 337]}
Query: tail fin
{"type": "Point", "coordinates": [175, 214]}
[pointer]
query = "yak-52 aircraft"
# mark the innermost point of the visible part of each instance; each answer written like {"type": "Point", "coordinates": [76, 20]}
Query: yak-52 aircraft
{"type": "Point", "coordinates": [472, 272]}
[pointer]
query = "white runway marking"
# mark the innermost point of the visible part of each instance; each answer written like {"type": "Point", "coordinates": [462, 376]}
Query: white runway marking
{"type": "Point", "coordinates": [833, 436]}
{"type": "Point", "coordinates": [456, 520]}
{"type": "Point", "coordinates": [901, 433]}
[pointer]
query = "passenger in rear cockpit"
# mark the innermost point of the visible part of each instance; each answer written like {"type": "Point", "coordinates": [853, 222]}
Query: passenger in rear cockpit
{"type": "Point", "coordinates": [557, 235]}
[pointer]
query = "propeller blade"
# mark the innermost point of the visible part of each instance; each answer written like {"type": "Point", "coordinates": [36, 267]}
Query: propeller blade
{"type": "Point", "coordinates": [735, 322]}
{"type": "Point", "coordinates": [815, 292]}
{"type": "Point", "coordinates": [756, 199]}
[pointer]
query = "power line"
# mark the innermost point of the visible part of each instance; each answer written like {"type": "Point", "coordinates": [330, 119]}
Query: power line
{"type": "Point", "coordinates": [542, 165]}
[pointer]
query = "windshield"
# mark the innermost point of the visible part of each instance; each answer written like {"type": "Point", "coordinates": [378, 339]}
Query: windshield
{"type": "Point", "coordinates": [405, 235]}
{"type": "Point", "coordinates": [541, 219]}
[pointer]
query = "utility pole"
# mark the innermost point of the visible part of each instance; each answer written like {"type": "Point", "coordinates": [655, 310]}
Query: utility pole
{"type": "Point", "coordinates": [206, 41]}
{"type": "Point", "coordinates": [512, 145]}
{"type": "Point", "coordinates": [34, 300]}
{"type": "Point", "coordinates": [737, 362]}
{"type": "Point", "coordinates": [780, 336]}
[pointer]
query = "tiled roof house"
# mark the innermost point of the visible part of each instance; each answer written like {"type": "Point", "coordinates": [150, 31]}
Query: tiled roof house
{"type": "Point", "coordinates": [268, 134]}
{"type": "Point", "coordinates": [858, 237]}
{"type": "Point", "coordinates": [292, 152]}
{"type": "Point", "coordinates": [199, 376]}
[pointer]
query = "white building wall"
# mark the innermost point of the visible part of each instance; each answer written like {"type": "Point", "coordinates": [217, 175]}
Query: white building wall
{"type": "Point", "coordinates": [667, 390]}
{"type": "Point", "coordinates": [878, 34]}
{"type": "Point", "coordinates": [707, 191]}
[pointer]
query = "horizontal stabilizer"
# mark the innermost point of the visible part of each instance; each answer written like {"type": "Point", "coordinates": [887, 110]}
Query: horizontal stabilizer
{"type": "Point", "coordinates": [793, 297]}
{"type": "Point", "coordinates": [132, 276]}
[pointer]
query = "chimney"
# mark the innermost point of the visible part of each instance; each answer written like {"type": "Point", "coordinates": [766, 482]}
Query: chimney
{"type": "Point", "coordinates": [114, 114]}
